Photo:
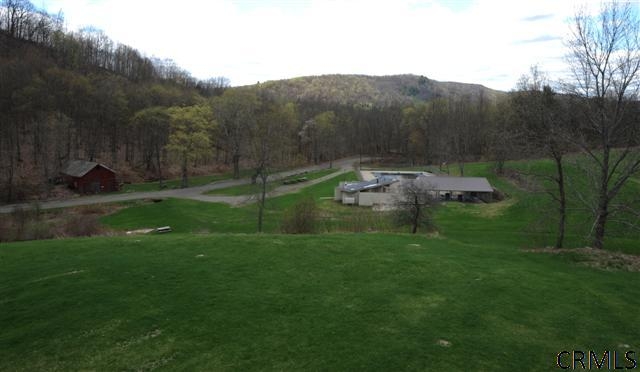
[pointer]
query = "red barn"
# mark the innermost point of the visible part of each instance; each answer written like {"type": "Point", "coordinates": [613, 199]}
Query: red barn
{"type": "Point", "coordinates": [89, 177]}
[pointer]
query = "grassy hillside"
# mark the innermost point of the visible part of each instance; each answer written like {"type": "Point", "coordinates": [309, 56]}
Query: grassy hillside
{"type": "Point", "coordinates": [210, 296]}
{"type": "Point", "coordinates": [198, 217]}
{"type": "Point", "coordinates": [381, 90]}
{"type": "Point", "coordinates": [274, 302]}
{"type": "Point", "coordinates": [525, 219]}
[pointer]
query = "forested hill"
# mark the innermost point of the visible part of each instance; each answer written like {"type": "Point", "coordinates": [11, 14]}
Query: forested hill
{"type": "Point", "coordinates": [374, 90]}
{"type": "Point", "coordinates": [68, 95]}
{"type": "Point", "coordinates": [78, 95]}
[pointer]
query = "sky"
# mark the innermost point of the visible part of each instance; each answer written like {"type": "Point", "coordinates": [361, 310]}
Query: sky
{"type": "Point", "coordinates": [488, 42]}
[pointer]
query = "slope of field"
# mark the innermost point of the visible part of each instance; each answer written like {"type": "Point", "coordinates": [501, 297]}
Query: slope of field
{"type": "Point", "coordinates": [466, 298]}
{"type": "Point", "coordinates": [198, 217]}
{"type": "Point", "coordinates": [527, 218]}
{"type": "Point", "coordinates": [274, 302]}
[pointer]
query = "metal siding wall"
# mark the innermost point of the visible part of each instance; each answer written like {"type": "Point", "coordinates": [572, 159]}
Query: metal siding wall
{"type": "Point", "coordinates": [368, 199]}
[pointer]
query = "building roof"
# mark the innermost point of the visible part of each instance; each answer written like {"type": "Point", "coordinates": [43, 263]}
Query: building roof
{"type": "Point", "coordinates": [368, 185]}
{"type": "Point", "coordinates": [399, 174]}
{"type": "Point", "coordinates": [78, 168]}
{"type": "Point", "coordinates": [465, 184]}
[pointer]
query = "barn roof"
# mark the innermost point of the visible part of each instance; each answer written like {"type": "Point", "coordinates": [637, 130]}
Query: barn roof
{"type": "Point", "coordinates": [465, 184]}
{"type": "Point", "coordinates": [78, 168]}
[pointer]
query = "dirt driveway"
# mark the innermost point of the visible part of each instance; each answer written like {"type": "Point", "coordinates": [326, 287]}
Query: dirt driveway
{"type": "Point", "coordinates": [196, 193]}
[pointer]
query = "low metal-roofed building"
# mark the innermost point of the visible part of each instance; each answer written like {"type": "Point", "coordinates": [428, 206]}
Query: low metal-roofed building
{"type": "Point", "coordinates": [400, 175]}
{"type": "Point", "coordinates": [368, 185]}
{"type": "Point", "coordinates": [382, 190]}
{"type": "Point", "coordinates": [89, 177]}
{"type": "Point", "coordinates": [350, 192]}
{"type": "Point", "coordinates": [461, 188]}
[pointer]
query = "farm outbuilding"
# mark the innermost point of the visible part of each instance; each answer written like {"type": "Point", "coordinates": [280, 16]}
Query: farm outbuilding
{"type": "Point", "coordinates": [89, 177]}
{"type": "Point", "coordinates": [365, 193]}
{"type": "Point", "coordinates": [459, 188]}
{"type": "Point", "coordinates": [380, 188]}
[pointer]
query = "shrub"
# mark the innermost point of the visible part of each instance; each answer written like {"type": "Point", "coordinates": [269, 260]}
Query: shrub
{"type": "Point", "coordinates": [301, 218]}
{"type": "Point", "coordinates": [25, 224]}
{"type": "Point", "coordinates": [92, 209]}
{"type": "Point", "coordinates": [366, 220]}
{"type": "Point", "coordinates": [25, 221]}
{"type": "Point", "coordinates": [19, 218]}
{"type": "Point", "coordinates": [6, 231]}
{"type": "Point", "coordinates": [82, 225]}
{"type": "Point", "coordinates": [38, 230]}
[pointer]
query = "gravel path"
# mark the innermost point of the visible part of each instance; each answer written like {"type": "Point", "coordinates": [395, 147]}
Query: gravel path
{"type": "Point", "coordinates": [196, 193]}
{"type": "Point", "coordinates": [280, 190]}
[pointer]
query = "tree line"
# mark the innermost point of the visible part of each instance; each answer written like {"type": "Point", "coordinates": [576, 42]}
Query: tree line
{"type": "Point", "coordinates": [595, 113]}
{"type": "Point", "coordinates": [78, 95]}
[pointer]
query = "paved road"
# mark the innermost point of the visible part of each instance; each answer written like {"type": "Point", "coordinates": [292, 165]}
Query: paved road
{"type": "Point", "coordinates": [196, 193]}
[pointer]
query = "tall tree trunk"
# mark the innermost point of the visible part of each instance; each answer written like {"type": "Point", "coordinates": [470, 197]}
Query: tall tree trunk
{"type": "Point", "coordinates": [127, 150]}
{"type": "Point", "coordinates": [236, 165]}
{"type": "Point", "coordinates": [416, 216]}
{"type": "Point", "coordinates": [45, 171]}
{"type": "Point", "coordinates": [114, 146]}
{"type": "Point", "coordinates": [184, 183]}
{"type": "Point", "coordinates": [18, 148]}
{"type": "Point", "coordinates": [263, 196]}
{"type": "Point", "coordinates": [159, 166]}
{"type": "Point", "coordinates": [601, 220]}
{"type": "Point", "coordinates": [499, 168]}
{"type": "Point", "coordinates": [316, 157]}
{"type": "Point", "coordinates": [602, 210]}
{"type": "Point", "coordinates": [11, 170]}
{"type": "Point", "coordinates": [562, 199]}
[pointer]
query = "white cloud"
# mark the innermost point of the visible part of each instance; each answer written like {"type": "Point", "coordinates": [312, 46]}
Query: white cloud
{"type": "Point", "coordinates": [486, 42]}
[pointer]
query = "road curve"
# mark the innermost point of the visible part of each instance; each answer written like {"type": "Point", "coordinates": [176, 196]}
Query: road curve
{"type": "Point", "coordinates": [195, 193]}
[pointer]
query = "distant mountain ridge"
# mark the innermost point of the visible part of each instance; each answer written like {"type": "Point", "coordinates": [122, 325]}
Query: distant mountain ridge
{"type": "Point", "coordinates": [377, 90]}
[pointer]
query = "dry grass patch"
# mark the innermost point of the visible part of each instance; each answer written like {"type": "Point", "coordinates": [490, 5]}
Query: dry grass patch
{"type": "Point", "coordinates": [484, 210]}
{"type": "Point", "coordinates": [34, 223]}
{"type": "Point", "coordinates": [597, 258]}
{"type": "Point", "coordinates": [493, 210]}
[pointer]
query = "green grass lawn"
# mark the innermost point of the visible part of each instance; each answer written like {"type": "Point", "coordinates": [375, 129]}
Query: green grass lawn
{"type": "Point", "coordinates": [197, 217]}
{"type": "Point", "coordinates": [214, 296]}
{"type": "Point", "coordinates": [528, 218]}
{"type": "Point", "coordinates": [524, 219]}
{"type": "Point", "coordinates": [329, 302]}
{"type": "Point", "coordinates": [255, 189]}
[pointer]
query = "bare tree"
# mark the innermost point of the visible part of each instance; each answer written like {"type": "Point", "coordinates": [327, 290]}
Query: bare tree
{"type": "Point", "coordinates": [466, 120]}
{"type": "Point", "coordinates": [604, 58]}
{"type": "Point", "coordinates": [414, 204]}
{"type": "Point", "coordinates": [16, 14]}
{"type": "Point", "coordinates": [266, 141]}
{"type": "Point", "coordinates": [214, 86]}
{"type": "Point", "coordinates": [151, 126]}
{"type": "Point", "coordinates": [504, 135]}
{"type": "Point", "coordinates": [235, 112]}
{"type": "Point", "coordinates": [544, 128]}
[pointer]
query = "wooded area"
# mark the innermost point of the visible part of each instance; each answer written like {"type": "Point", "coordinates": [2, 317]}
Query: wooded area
{"type": "Point", "coordinates": [68, 95]}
